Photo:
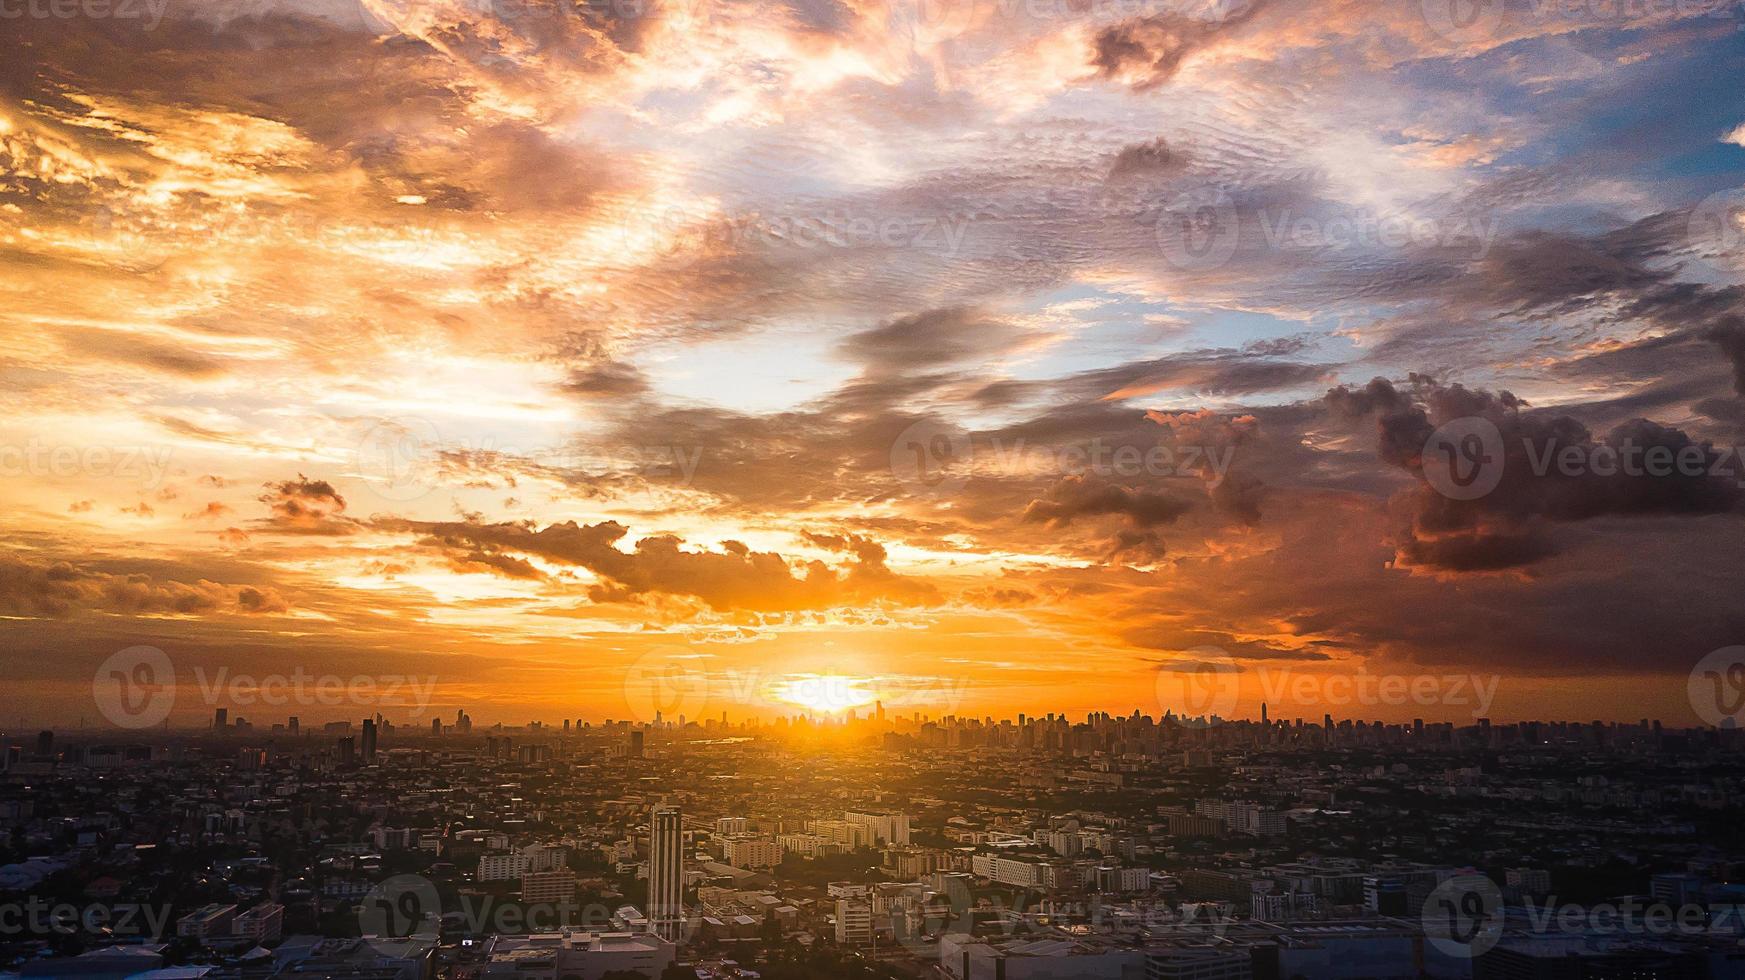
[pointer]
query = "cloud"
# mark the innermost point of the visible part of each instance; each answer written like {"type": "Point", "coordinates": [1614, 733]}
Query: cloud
{"type": "Point", "coordinates": [1151, 158]}
{"type": "Point", "coordinates": [1147, 51]}
{"type": "Point", "coordinates": [60, 588]}
{"type": "Point", "coordinates": [304, 506]}
{"type": "Point", "coordinates": [733, 577]}
{"type": "Point", "coordinates": [932, 340]}
{"type": "Point", "coordinates": [1551, 471]}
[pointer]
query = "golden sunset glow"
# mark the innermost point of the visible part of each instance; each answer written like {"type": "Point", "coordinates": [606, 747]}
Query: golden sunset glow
{"type": "Point", "coordinates": [945, 356]}
{"type": "Point", "coordinates": [828, 693]}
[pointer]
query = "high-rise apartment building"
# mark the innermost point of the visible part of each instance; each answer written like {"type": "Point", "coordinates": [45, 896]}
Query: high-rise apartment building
{"type": "Point", "coordinates": [666, 873]}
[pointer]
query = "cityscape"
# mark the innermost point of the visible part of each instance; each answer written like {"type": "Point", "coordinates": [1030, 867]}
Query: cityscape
{"type": "Point", "coordinates": [864, 844]}
{"type": "Point", "coordinates": [872, 490]}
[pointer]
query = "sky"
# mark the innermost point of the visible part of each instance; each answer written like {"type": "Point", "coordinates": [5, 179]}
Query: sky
{"type": "Point", "coordinates": [971, 356]}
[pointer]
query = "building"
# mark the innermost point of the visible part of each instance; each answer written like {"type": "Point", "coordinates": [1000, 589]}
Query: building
{"type": "Point", "coordinates": [502, 867]}
{"type": "Point", "coordinates": [1558, 957]}
{"type": "Point", "coordinates": [550, 887]}
{"type": "Point", "coordinates": [969, 958]}
{"type": "Point", "coordinates": [884, 826]}
{"type": "Point", "coordinates": [206, 922]}
{"type": "Point", "coordinates": [264, 923]}
{"type": "Point", "coordinates": [573, 955]}
{"type": "Point", "coordinates": [546, 857]}
{"type": "Point", "coordinates": [1007, 871]}
{"type": "Point", "coordinates": [1528, 881]}
{"type": "Point", "coordinates": [854, 922]}
{"type": "Point", "coordinates": [318, 958]}
{"type": "Point", "coordinates": [666, 873]}
{"type": "Point", "coordinates": [750, 851]}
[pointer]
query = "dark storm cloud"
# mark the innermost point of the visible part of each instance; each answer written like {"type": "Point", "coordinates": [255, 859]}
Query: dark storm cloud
{"type": "Point", "coordinates": [1151, 49]}
{"type": "Point", "coordinates": [1149, 158]}
{"type": "Point", "coordinates": [1553, 470]}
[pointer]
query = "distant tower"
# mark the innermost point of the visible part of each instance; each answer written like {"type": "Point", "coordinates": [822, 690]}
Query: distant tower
{"type": "Point", "coordinates": [369, 745]}
{"type": "Point", "coordinates": [294, 724]}
{"type": "Point", "coordinates": [1263, 712]}
{"type": "Point", "coordinates": [666, 873]}
{"type": "Point", "coordinates": [45, 744]}
{"type": "Point", "coordinates": [221, 718]}
{"type": "Point", "coordinates": [436, 726]}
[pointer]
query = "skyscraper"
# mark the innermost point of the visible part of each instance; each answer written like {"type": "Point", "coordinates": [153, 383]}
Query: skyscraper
{"type": "Point", "coordinates": [666, 873]}
{"type": "Point", "coordinates": [369, 745]}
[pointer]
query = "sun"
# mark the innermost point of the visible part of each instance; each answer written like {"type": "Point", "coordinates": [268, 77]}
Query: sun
{"type": "Point", "coordinates": [828, 693]}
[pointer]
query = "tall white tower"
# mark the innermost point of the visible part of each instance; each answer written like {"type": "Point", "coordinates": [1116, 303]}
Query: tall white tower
{"type": "Point", "coordinates": [666, 873]}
